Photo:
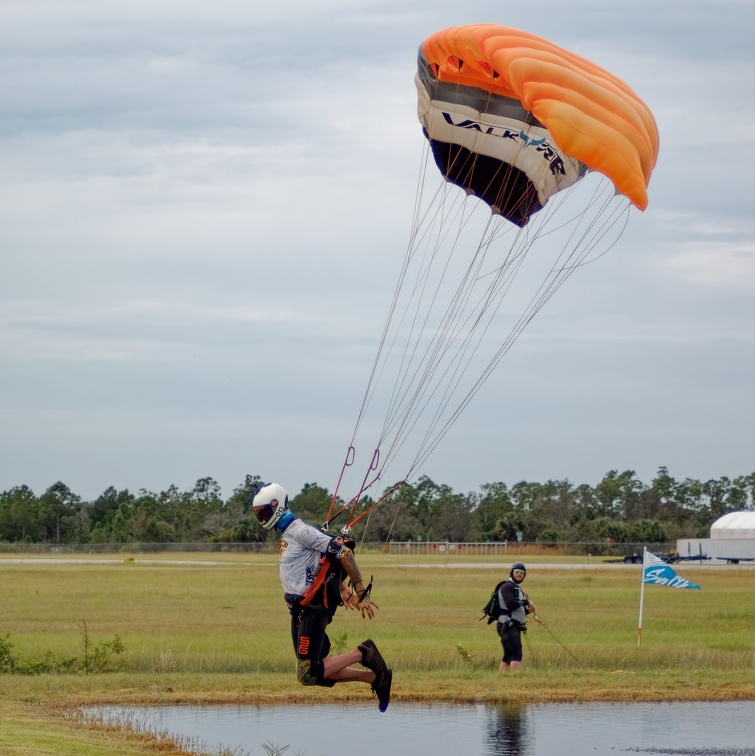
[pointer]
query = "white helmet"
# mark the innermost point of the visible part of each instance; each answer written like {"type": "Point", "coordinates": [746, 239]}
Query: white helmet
{"type": "Point", "coordinates": [269, 504]}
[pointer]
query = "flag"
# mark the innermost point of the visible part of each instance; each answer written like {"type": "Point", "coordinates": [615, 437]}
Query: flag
{"type": "Point", "coordinates": [656, 572]}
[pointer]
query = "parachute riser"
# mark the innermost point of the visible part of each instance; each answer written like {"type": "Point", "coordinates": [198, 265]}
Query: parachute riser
{"type": "Point", "coordinates": [388, 493]}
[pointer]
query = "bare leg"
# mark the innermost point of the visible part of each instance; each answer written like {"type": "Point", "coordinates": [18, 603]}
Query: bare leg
{"type": "Point", "coordinates": [339, 668]}
{"type": "Point", "coordinates": [514, 666]}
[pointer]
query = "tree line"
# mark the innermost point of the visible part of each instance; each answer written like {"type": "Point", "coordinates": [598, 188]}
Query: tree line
{"type": "Point", "coordinates": [621, 507]}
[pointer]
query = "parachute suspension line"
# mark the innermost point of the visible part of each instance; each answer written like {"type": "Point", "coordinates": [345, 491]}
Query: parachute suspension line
{"type": "Point", "coordinates": [466, 350]}
{"type": "Point", "coordinates": [488, 308]}
{"type": "Point", "coordinates": [504, 276]}
{"type": "Point", "coordinates": [364, 534]}
{"type": "Point", "coordinates": [578, 248]}
{"type": "Point", "coordinates": [461, 333]}
{"type": "Point", "coordinates": [559, 273]}
{"type": "Point", "coordinates": [386, 494]}
{"type": "Point", "coordinates": [417, 223]}
{"type": "Point", "coordinates": [434, 353]}
{"type": "Point", "coordinates": [450, 330]}
{"type": "Point", "coordinates": [365, 485]}
{"type": "Point", "coordinates": [350, 453]}
{"type": "Point", "coordinates": [493, 299]}
{"type": "Point", "coordinates": [400, 397]}
{"type": "Point", "coordinates": [618, 214]}
{"type": "Point", "coordinates": [417, 379]}
{"type": "Point", "coordinates": [403, 382]}
{"type": "Point", "coordinates": [419, 191]}
{"type": "Point", "coordinates": [436, 209]}
{"type": "Point", "coordinates": [454, 326]}
{"type": "Point", "coordinates": [434, 218]}
{"type": "Point", "coordinates": [395, 399]}
{"type": "Point", "coordinates": [352, 505]}
{"type": "Point", "coordinates": [409, 388]}
{"type": "Point", "coordinates": [581, 243]}
{"type": "Point", "coordinates": [393, 520]}
{"type": "Point", "coordinates": [417, 294]}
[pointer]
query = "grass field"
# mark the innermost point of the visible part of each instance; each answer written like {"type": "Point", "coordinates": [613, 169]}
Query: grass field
{"type": "Point", "coordinates": [214, 629]}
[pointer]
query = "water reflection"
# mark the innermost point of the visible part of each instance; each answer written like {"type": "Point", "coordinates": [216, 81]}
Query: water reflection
{"type": "Point", "coordinates": [509, 733]}
{"type": "Point", "coordinates": [678, 729]}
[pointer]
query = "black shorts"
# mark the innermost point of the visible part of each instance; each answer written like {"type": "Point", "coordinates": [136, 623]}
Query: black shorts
{"type": "Point", "coordinates": [310, 639]}
{"type": "Point", "coordinates": [511, 640]}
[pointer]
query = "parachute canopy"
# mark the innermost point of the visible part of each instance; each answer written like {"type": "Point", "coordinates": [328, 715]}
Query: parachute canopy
{"type": "Point", "coordinates": [513, 119]}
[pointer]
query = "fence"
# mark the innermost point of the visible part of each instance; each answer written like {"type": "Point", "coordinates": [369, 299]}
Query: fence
{"type": "Point", "coordinates": [264, 547]}
{"type": "Point", "coordinates": [515, 548]}
{"type": "Point", "coordinates": [448, 549]}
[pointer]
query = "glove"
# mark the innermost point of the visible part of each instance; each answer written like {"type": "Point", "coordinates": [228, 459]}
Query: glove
{"type": "Point", "coordinates": [363, 600]}
{"type": "Point", "coordinates": [367, 607]}
{"type": "Point", "coordinates": [349, 598]}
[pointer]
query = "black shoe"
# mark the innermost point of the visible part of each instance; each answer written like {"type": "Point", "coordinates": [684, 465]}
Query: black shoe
{"type": "Point", "coordinates": [382, 689]}
{"type": "Point", "coordinates": [372, 659]}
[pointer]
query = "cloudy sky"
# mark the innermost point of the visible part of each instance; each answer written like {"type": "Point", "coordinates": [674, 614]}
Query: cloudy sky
{"type": "Point", "coordinates": [205, 207]}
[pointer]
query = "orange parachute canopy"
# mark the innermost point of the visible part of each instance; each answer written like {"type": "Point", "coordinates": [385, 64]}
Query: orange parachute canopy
{"type": "Point", "coordinates": [513, 119]}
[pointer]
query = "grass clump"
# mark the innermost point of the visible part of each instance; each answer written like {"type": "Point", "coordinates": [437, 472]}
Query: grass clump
{"type": "Point", "coordinates": [94, 657]}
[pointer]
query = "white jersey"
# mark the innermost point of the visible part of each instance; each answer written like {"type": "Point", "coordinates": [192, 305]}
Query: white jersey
{"type": "Point", "coordinates": [301, 547]}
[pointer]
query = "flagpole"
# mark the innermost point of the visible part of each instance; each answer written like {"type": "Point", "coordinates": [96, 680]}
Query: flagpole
{"type": "Point", "coordinates": [642, 595]}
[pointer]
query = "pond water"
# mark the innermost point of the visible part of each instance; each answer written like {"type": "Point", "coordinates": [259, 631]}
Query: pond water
{"type": "Point", "coordinates": [691, 729]}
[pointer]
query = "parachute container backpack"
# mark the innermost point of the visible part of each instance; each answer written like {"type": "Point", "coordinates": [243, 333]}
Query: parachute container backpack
{"type": "Point", "coordinates": [492, 610]}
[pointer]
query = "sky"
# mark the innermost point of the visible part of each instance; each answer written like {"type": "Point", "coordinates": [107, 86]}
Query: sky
{"type": "Point", "coordinates": [205, 207]}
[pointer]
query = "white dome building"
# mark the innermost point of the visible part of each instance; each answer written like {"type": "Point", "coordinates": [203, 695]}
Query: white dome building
{"type": "Point", "coordinates": [732, 540]}
{"type": "Point", "coordinates": [734, 525]}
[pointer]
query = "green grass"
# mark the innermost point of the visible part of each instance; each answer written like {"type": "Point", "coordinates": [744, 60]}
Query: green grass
{"type": "Point", "coordinates": [218, 633]}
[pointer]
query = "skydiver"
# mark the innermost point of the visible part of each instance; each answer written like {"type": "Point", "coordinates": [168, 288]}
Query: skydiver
{"type": "Point", "coordinates": [313, 571]}
{"type": "Point", "coordinates": [515, 606]}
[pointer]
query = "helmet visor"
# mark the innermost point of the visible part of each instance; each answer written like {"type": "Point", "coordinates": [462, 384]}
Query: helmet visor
{"type": "Point", "coordinates": [263, 513]}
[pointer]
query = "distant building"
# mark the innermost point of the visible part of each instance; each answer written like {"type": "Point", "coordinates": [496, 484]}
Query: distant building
{"type": "Point", "coordinates": [732, 540]}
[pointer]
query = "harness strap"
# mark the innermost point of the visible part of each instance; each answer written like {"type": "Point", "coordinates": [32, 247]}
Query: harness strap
{"type": "Point", "coordinates": [319, 582]}
{"type": "Point", "coordinates": [367, 591]}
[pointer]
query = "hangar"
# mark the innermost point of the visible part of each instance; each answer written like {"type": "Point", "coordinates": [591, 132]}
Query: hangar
{"type": "Point", "coordinates": [732, 540]}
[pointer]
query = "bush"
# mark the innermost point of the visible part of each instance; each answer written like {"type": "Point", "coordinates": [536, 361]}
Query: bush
{"type": "Point", "coordinates": [95, 657]}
